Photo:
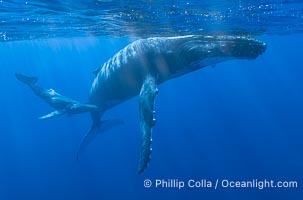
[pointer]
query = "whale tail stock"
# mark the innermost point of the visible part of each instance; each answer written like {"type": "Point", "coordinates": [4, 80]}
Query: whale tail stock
{"type": "Point", "coordinates": [26, 79]}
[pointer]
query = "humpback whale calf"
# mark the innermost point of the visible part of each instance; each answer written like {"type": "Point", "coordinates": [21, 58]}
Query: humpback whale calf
{"type": "Point", "coordinates": [142, 65]}
{"type": "Point", "coordinates": [61, 103]}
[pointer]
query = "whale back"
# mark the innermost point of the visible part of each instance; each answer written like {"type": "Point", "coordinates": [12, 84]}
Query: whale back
{"type": "Point", "coordinates": [121, 77]}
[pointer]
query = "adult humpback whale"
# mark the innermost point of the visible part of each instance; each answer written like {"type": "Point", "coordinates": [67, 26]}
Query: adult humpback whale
{"type": "Point", "coordinates": [61, 103]}
{"type": "Point", "coordinates": [142, 65]}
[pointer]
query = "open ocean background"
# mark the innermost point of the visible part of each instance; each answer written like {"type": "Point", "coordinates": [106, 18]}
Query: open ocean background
{"type": "Point", "coordinates": [239, 120]}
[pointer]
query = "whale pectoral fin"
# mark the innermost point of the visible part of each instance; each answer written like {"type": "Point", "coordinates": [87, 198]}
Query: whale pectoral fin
{"type": "Point", "coordinates": [146, 108]}
{"type": "Point", "coordinates": [53, 114]}
{"type": "Point", "coordinates": [97, 127]}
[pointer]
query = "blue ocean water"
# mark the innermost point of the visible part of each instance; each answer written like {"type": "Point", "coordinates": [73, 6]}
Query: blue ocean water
{"type": "Point", "coordinates": [240, 120]}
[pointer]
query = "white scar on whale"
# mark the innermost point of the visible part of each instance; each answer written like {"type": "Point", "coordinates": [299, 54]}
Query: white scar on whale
{"type": "Point", "coordinates": [142, 65]}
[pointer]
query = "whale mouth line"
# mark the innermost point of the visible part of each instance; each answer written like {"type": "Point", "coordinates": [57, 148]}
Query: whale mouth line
{"type": "Point", "coordinates": [222, 46]}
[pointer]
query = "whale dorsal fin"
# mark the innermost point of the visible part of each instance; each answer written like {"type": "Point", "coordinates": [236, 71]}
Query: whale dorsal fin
{"type": "Point", "coordinates": [146, 112]}
{"type": "Point", "coordinates": [53, 114]}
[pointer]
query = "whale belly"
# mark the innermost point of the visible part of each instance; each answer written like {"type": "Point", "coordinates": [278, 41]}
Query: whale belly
{"type": "Point", "coordinates": [121, 77]}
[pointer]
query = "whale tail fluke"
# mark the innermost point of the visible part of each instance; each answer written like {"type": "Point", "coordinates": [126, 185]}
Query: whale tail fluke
{"type": "Point", "coordinates": [97, 128]}
{"type": "Point", "coordinates": [26, 79]}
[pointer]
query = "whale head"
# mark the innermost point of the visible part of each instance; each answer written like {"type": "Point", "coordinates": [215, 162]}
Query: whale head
{"type": "Point", "coordinates": [207, 50]}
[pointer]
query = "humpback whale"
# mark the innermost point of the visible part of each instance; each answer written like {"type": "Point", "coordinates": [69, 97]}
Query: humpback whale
{"type": "Point", "coordinates": [142, 65]}
{"type": "Point", "coordinates": [137, 70]}
{"type": "Point", "coordinates": [61, 103]}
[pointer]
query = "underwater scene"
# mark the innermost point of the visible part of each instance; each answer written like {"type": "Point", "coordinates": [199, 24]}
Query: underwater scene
{"type": "Point", "coordinates": [144, 99]}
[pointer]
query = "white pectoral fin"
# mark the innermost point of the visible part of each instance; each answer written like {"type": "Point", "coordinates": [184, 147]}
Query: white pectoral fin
{"type": "Point", "coordinates": [53, 114]}
{"type": "Point", "coordinates": [146, 112]}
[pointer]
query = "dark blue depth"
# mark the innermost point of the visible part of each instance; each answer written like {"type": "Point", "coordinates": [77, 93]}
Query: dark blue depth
{"type": "Point", "coordinates": [240, 120]}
